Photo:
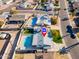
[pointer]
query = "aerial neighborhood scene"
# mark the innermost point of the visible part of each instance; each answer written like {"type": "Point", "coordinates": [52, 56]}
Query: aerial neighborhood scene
{"type": "Point", "coordinates": [39, 29]}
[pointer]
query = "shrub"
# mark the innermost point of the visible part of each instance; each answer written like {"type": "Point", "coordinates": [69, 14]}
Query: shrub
{"type": "Point", "coordinates": [28, 31]}
{"type": "Point", "coordinates": [56, 36]}
{"type": "Point", "coordinates": [53, 21]}
{"type": "Point", "coordinates": [1, 23]}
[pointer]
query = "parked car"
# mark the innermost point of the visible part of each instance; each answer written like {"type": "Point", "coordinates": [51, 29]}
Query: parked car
{"type": "Point", "coordinates": [65, 19]}
{"type": "Point", "coordinates": [5, 35]}
{"type": "Point", "coordinates": [71, 8]}
{"type": "Point", "coordinates": [70, 31]}
{"type": "Point", "coordinates": [72, 35]}
{"type": "Point", "coordinates": [77, 14]}
{"type": "Point", "coordinates": [76, 20]}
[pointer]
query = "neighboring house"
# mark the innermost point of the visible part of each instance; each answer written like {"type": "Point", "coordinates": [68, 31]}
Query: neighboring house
{"type": "Point", "coordinates": [71, 0]}
{"type": "Point", "coordinates": [4, 15]}
{"type": "Point", "coordinates": [25, 4]}
{"type": "Point", "coordinates": [1, 2]}
{"type": "Point", "coordinates": [76, 7]}
{"type": "Point", "coordinates": [39, 20]}
{"type": "Point", "coordinates": [44, 19]}
{"type": "Point", "coordinates": [46, 7]}
{"type": "Point", "coordinates": [5, 1]}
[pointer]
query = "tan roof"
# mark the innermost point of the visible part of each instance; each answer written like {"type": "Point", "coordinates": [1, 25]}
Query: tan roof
{"type": "Point", "coordinates": [25, 56]}
{"type": "Point", "coordinates": [2, 19]}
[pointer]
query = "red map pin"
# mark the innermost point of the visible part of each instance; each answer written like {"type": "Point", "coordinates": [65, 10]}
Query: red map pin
{"type": "Point", "coordinates": [44, 31]}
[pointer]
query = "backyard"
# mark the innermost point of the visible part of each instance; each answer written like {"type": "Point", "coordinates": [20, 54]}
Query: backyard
{"type": "Point", "coordinates": [56, 36]}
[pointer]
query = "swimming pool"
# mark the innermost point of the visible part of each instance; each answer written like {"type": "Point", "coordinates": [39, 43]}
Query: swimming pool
{"type": "Point", "coordinates": [28, 41]}
{"type": "Point", "coordinates": [34, 20]}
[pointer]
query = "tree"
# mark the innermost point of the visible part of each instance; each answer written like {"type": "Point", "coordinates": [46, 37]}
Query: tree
{"type": "Point", "coordinates": [43, 1]}
{"type": "Point", "coordinates": [1, 23]}
{"type": "Point", "coordinates": [53, 21]}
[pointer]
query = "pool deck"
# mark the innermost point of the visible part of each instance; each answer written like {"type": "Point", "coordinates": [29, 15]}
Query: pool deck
{"type": "Point", "coordinates": [2, 42]}
{"type": "Point", "coordinates": [25, 56]}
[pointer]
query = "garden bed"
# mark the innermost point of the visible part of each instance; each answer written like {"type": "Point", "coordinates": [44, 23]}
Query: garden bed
{"type": "Point", "coordinates": [56, 36]}
{"type": "Point", "coordinates": [27, 31]}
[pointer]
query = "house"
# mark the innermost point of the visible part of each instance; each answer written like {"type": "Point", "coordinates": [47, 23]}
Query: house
{"type": "Point", "coordinates": [41, 42]}
{"type": "Point", "coordinates": [76, 7]}
{"type": "Point", "coordinates": [5, 1]}
{"type": "Point", "coordinates": [4, 15]}
{"type": "Point", "coordinates": [24, 4]}
{"type": "Point", "coordinates": [45, 7]}
{"type": "Point", "coordinates": [44, 19]}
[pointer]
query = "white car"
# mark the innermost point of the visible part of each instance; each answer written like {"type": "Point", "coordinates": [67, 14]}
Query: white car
{"type": "Point", "coordinates": [4, 35]}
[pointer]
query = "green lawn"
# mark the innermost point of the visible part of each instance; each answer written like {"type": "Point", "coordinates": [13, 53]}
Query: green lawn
{"type": "Point", "coordinates": [27, 31]}
{"type": "Point", "coordinates": [56, 36]}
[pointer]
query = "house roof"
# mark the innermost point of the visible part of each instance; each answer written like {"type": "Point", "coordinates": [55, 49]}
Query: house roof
{"type": "Point", "coordinates": [44, 20]}
{"type": "Point", "coordinates": [38, 39]}
{"type": "Point", "coordinates": [76, 5]}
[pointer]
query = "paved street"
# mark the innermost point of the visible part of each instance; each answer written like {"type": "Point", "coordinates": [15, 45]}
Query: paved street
{"type": "Point", "coordinates": [14, 46]}
{"type": "Point", "coordinates": [6, 8]}
{"type": "Point", "coordinates": [13, 30]}
{"type": "Point", "coordinates": [49, 55]}
{"type": "Point", "coordinates": [35, 11]}
{"type": "Point", "coordinates": [9, 46]}
{"type": "Point", "coordinates": [68, 41]}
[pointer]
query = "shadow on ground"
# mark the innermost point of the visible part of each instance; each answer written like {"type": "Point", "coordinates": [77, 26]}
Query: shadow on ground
{"type": "Point", "coordinates": [75, 30]}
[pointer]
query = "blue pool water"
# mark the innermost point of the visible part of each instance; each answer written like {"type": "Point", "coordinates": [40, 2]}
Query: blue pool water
{"type": "Point", "coordinates": [34, 20]}
{"type": "Point", "coordinates": [49, 34]}
{"type": "Point", "coordinates": [28, 41]}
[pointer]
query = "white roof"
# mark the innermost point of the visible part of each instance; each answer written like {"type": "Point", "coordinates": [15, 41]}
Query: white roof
{"type": "Point", "coordinates": [47, 41]}
{"type": "Point", "coordinates": [3, 35]}
{"type": "Point", "coordinates": [4, 15]}
{"type": "Point", "coordinates": [35, 39]}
